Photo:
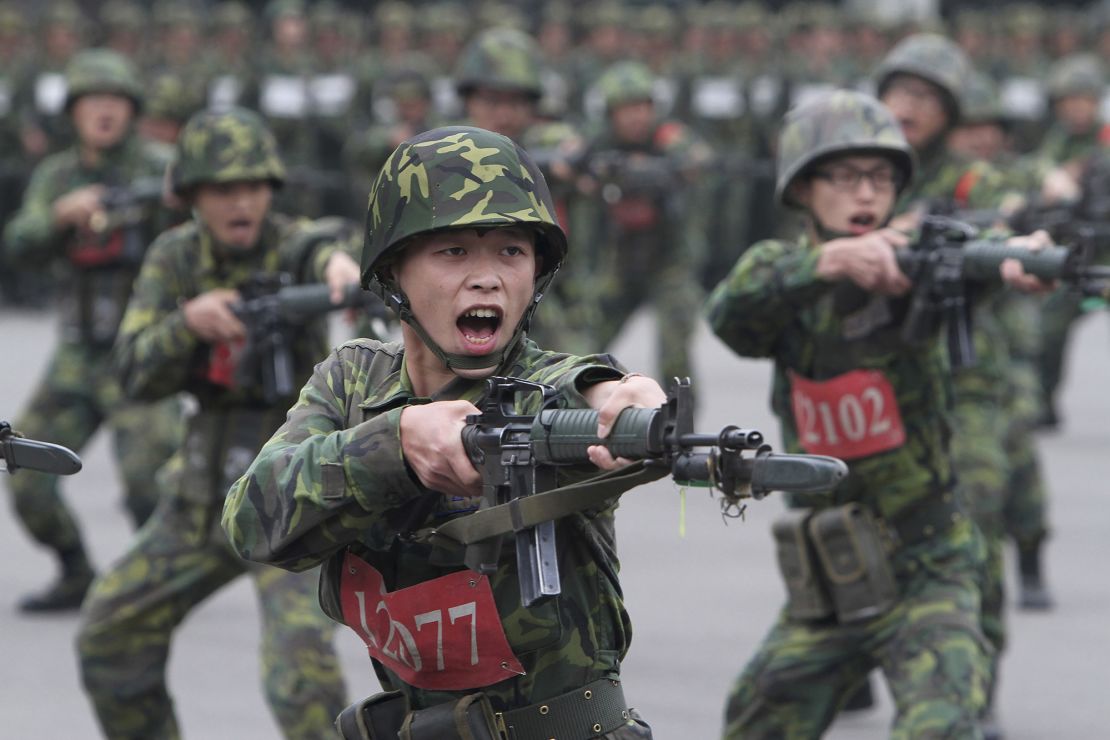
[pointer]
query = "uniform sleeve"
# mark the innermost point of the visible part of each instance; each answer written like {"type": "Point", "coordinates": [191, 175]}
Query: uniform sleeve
{"type": "Point", "coordinates": [31, 236]}
{"type": "Point", "coordinates": [768, 286]}
{"type": "Point", "coordinates": [318, 485]}
{"type": "Point", "coordinates": [154, 346]}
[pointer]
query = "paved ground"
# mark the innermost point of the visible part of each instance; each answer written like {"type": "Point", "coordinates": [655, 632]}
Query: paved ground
{"type": "Point", "coordinates": [699, 603]}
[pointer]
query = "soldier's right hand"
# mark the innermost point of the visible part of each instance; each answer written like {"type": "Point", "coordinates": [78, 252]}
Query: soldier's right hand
{"type": "Point", "coordinates": [431, 442]}
{"type": "Point", "coordinates": [867, 260]}
{"type": "Point", "coordinates": [209, 316]}
{"type": "Point", "coordinates": [77, 207]}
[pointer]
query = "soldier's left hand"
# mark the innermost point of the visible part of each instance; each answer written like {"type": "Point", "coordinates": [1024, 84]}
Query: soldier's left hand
{"type": "Point", "coordinates": [341, 272]}
{"type": "Point", "coordinates": [1014, 274]}
{"type": "Point", "coordinates": [610, 399]}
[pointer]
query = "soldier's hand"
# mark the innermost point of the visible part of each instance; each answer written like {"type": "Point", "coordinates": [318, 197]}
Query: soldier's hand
{"type": "Point", "coordinates": [340, 273]}
{"type": "Point", "coordinates": [77, 207]}
{"type": "Point", "coordinates": [210, 317]}
{"type": "Point", "coordinates": [431, 442]}
{"type": "Point", "coordinates": [868, 261]}
{"type": "Point", "coordinates": [1060, 186]}
{"type": "Point", "coordinates": [1014, 274]}
{"type": "Point", "coordinates": [610, 399]}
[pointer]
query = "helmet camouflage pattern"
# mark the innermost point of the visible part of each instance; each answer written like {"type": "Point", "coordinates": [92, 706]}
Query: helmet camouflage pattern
{"type": "Point", "coordinates": [1078, 74]}
{"type": "Point", "coordinates": [931, 57]}
{"type": "Point", "coordinates": [457, 177]}
{"type": "Point", "coordinates": [626, 82]}
{"type": "Point", "coordinates": [102, 71]}
{"type": "Point", "coordinates": [839, 122]}
{"type": "Point", "coordinates": [501, 59]}
{"type": "Point", "coordinates": [227, 146]}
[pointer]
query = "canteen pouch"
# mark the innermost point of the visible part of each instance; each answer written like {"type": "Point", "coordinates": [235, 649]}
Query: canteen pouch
{"type": "Point", "coordinates": [469, 718]}
{"type": "Point", "coordinates": [806, 596]}
{"type": "Point", "coordinates": [853, 555]}
{"type": "Point", "coordinates": [378, 717]}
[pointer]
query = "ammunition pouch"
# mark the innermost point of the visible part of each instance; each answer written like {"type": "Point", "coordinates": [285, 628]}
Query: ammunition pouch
{"type": "Point", "coordinates": [592, 710]}
{"type": "Point", "coordinates": [854, 553]}
{"type": "Point", "coordinates": [807, 597]}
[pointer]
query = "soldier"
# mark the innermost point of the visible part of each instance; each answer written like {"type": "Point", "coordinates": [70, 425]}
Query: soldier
{"type": "Point", "coordinates": [922, 81]}
{"type": "Point", "coordinates": [180, 333]}
{"type": "Point", "coordinates": [904, 598]}
{"type": "Point", "coordinates": [170, 103]}
{"type": "Point", "coordinates": [67, 217]}
{"type": "Point", "coordinates": [643, 172]}
{"type": "Point", "coordinates": [230, 74]}
{"type": "Point", "coordinates": [376, 448]}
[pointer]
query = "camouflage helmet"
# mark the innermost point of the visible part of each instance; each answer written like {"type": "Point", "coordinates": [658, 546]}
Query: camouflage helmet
{"type": "Point", "coordinates": [225, 146]}
{"type": "Point", "coordinates": [626, 82]}
{"type": "Point", "coordinates": [102, 71]}
{"type": "Point", "coordinates": [933, 58]}
{"type": "Point", "coordinates": [457, 177]}
{"type": "Point", "coordinates": [981, 102]}
{"type": "Point", "coordinates": [170, 14]}
{"type": "Point", "coordinates": [12, 20]}
{"type": "Point", "coordinates": [168, 97]}
{"type": "Point", "coordinates": [501, 59]}
{"type": "Point", "coordinates": [838, 122]}
{"type": "Point", "coordinates": [1078, 74]}
{"type": "Point", "coordinates": [62, 13]}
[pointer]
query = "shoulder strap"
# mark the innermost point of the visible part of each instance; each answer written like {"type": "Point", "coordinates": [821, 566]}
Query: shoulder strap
{"type": "Point", "coordinates": [528, 511]}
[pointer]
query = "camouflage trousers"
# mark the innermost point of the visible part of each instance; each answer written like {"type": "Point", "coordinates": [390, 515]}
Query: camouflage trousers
{"type": "Point", "coordinates": [179, 558]}
{"type": "Point", "coordinates": [928, 645]}
{"type": "Point", "coordinates": [1025, 510]}
{"type": "Point", "coordinates": [78, 394]}
{"type": "Point", "coordinates": [983, 475]}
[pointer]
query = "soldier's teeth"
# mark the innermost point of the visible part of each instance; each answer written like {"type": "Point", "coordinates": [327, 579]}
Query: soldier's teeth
{"type": "Point", "coordinates": [482, 313]}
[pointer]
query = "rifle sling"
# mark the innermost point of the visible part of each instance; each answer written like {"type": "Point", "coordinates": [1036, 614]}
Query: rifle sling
{"type": "Point", "coordinates": [528, 511]}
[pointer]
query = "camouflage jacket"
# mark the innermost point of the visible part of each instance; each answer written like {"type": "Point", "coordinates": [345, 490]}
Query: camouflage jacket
{"type": "Point", "coordinates": [101, 279]}
{"type": "Point", "coordinates": [333, 478]}
{"type": "Point", "coordinates": [774, 305]}
{"type": "Point", "coordinates": [947, 178]}
{"type": "Point", "coordinates": [156, 353]}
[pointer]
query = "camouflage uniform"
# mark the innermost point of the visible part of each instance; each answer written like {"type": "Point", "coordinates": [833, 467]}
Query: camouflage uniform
{"type": "Point", "coordinates": [648, 237]}
{"type": "Point", "coordinates": [928, 641]}
{"type": "Point", "coordinates": [79, 391]}
{"type": "Point", "coordinates": [180, 557]}
{"type": "Point", "coordinates": [352, 494]}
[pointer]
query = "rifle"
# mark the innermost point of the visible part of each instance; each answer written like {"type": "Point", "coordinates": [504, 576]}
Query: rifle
{"type": "Point", "coordinates": [45, 457]}
{"type": "Point", "coordinates": [125, 208]}
{"type": "Point", "coordinates": [274, 310]}
{"type": "Point", "coordinates": [949, 256]}
{"type": "Point", "coordinates": [519, 456]}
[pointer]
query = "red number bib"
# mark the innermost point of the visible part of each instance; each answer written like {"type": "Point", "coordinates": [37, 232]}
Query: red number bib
{"type": "Point", "coordinates": [444, 634]}
{"type": "Point", "coordinates": [94, 250]}
{"type": "Point", "coordinates": [850, 416]}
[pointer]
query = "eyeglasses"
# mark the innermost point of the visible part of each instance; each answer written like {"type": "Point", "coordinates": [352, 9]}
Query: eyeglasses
{"type": "Point", "coordinates": [847, 179]}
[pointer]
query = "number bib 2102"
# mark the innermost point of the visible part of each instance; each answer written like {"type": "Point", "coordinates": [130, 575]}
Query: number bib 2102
{"type": "Point", "coordinates": [443, 635]}
{"type": "Point", "coordinates": [850, 416]}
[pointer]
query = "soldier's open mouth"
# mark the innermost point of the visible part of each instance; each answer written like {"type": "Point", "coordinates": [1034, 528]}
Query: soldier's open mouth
{"type": "Point", "coordinates": [862, 223]}
{"type": "Point", "coordinates": [479, 325]}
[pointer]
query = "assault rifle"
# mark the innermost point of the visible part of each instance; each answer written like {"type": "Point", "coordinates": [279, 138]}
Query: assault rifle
{"type": "Point", "coordinates": [949, 257]}
{"type": "Point", "coordinates": [275, 312]}
{"type": "Point", "coordinates": [125, 208]}
{"type": "Point", "coordinates": [519, 456]}
{"type": "Point", "coordinates": [17, 452]}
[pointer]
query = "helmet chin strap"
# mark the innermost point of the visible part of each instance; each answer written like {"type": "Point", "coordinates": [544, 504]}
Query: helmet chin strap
{"type": "Point", "coordinates": [400, 303]}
